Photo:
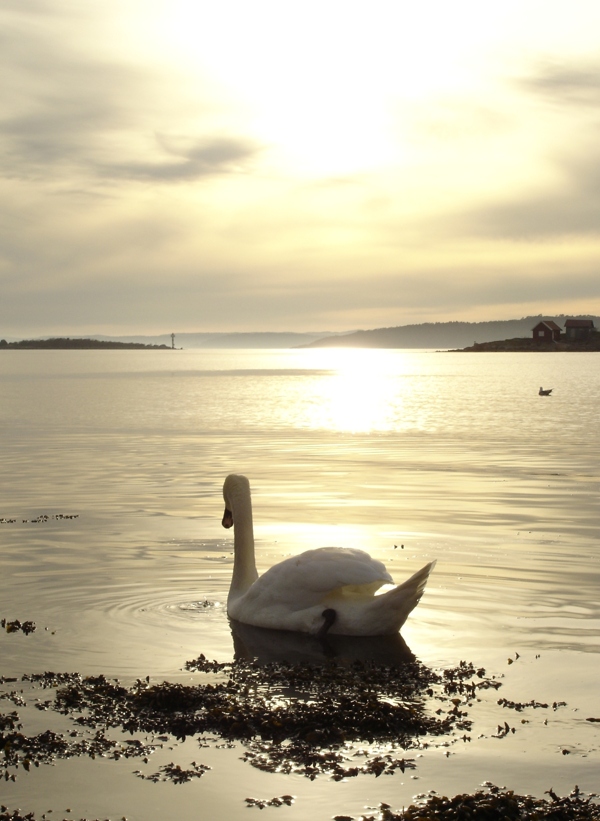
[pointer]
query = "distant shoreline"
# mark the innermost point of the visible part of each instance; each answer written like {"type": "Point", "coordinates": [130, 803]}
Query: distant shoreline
{"type": "Point", "coordinates": [531, 345]}
{"type": "Point", "coordinates": [60, 344]}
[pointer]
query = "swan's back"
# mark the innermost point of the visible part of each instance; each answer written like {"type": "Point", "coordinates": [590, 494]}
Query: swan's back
{"type": "Point", "coordinates": [319, 571]}
{"type": "Point", "coordinates": [293, 594]}
{"type": "Point", "coordinates": [331, 589]}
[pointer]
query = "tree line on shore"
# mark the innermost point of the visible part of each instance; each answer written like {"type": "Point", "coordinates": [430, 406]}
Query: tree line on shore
{"type": "Point", "coordinates": [79, 344]}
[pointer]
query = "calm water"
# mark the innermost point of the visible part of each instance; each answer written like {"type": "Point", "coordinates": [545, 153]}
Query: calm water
{"type": "Point", "coordinates": [410, 455]}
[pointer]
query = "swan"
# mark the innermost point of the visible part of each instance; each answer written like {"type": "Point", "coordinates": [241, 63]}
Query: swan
{"type": "Point", "coordinates": [329, 589]}
{"type": "Point", "coordinates": [545, 392]}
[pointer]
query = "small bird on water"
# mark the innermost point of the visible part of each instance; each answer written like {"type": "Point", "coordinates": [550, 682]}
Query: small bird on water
{"type": "Point", "coordinates": [546, 392]}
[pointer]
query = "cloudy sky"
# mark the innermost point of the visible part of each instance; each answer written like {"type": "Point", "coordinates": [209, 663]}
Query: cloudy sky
{"type": "Point", "coordinates": [186, 165]}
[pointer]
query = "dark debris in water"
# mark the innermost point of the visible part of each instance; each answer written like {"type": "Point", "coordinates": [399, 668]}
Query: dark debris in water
{"type": "Point", "coordinates": [17, 626]}
{"type": "Point", "coordinates": [521, 705]}
{"type": "Point", "coordinates": [292, 718]}
{"type": "Point", "coordinates": [495, 804]}
{"type": "Point", "coordinates": [311, 705]}
{"type": "Point", "coordinates": [20, 751]}
{"type": "Point", "coordinates": [23, 751]}
{"type": "Point", "coordinates": [18, 815]}
{"type": "Point", "coordinates": [342, 721]}
{"type": "Point", "coordinates": [278, 801]}
{"type": "Point", "coordinates": [42, 518]}
{"type": "Point", "coordinates": [304, 759]}
{"type": "Point", "coordinates": [489, 804]}
{"type": "Point", "coordinates": [174, 773]}
{"type": "Point", "coordinates": [15, 697]}
{"type": "Point", "coordinates": [51, 680]}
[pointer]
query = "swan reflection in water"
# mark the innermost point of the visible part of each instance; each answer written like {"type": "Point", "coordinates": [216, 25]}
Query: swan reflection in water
{"type": "Point", "coordinates": [265, 646]}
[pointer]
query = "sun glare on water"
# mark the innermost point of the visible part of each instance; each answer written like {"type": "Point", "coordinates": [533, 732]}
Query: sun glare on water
{"type": "Point", "coordinates": [361, 394]}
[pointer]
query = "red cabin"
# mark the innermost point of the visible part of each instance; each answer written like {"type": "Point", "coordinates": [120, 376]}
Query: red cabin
{"type": "Point", "coordinates": [546, 331]}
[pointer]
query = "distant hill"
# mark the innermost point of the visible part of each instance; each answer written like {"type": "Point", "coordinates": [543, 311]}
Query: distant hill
{"type": "Point", "coordinates": [187, 340]}
{"type": "Point", "coordinates": [436, 335]}
{"type": "Point", "coordinates": [265, 339]}
{"type": "Point", "coordinates": [441, 335]}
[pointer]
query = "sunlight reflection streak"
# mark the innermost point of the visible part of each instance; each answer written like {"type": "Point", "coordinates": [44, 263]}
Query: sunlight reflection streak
{"type": "Point", "coordinates": [361, 394]}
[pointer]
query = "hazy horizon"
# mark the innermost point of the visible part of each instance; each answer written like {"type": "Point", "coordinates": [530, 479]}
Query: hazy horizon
{"type": "Point", "coordinates": [189, 337]}
{"type": "Point", "coordinates": [241, 168]}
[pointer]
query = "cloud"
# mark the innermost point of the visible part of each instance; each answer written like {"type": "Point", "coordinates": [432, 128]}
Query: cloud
{"type": "Point", "coordinates": [567, 97]}
{"type": "Point", "coordinates": [57, 102]}
{"type": "Point", "coordinates": [570, 209]}
{"type": "Point", "coordinates": [68, 112]}
{"type": "Point", "coordinates": [144, 189]}
{"type": "Point", "coordinates": [197, 158]}
{"type": "Point", "coordinates": [563, 83]}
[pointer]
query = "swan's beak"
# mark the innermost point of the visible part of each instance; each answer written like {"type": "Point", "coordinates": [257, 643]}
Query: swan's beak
{"type": "Point", "coordinates": [227, 518]}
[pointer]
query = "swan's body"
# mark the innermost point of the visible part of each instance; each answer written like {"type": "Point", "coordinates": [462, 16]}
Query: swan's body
{"type": "Point", "coordinates": [330, 589]}
{"type": "Point", "coordinates": [545, 392]}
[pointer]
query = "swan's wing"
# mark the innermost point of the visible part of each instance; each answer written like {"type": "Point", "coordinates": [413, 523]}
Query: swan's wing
{"type": "Point", "coordinates": [305, 579]}
{"type": "Point", "coordinates": [293, 594]}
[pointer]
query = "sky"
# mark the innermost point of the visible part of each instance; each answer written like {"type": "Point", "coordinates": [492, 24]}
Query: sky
{"type": "Point", "coordinates": [188, 166]}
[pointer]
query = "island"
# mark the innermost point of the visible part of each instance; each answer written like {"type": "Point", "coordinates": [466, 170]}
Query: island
{"type": "Point", "coordinates": [517, 334]}
{"type": "Point", "coordinates": [592, 343]}
{"type": "Point", "coordinates": [65, 343]}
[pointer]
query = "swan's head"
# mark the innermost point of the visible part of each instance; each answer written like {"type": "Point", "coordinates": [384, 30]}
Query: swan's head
{"type": "Point", "coordinates": [235, 488]}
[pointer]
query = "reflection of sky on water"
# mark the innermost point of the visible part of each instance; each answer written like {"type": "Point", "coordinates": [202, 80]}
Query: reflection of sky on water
{"type": "Point", "coordinates": [358, 396]}
{"type": "Point", "coordinates": [483, 398]}
{"type": "Point", "coordinates": [412, 456]}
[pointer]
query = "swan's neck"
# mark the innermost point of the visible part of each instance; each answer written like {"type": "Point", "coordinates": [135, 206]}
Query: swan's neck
{"type": "Point", "coordinates": [244, 562]}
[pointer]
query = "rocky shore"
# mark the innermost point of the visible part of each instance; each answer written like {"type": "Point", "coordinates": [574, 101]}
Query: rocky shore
{"type": "Point", "coordinates": [530, 345]}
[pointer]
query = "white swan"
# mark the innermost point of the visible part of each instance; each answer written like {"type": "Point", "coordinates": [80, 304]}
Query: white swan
{"type": "Point", "coordinates": [328, 589]}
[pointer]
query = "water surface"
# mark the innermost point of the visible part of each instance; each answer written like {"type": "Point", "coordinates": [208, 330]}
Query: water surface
{"type": "Point", "coordinates": [410, 455]}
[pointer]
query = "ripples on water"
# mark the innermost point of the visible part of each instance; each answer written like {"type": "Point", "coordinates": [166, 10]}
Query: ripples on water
{"type": "Point", "coordinates": [453, 454]}
{"type": "Point", "coordinates": [411, 455]}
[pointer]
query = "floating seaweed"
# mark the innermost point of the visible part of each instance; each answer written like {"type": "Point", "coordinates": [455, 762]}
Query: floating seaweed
{"type": "Point", "coordinates": [488, 804]}
{"type": "Point", "coordinates": [278, 801]}
{"type": "Point", "coordinates": [174, 773]}
{"type": "Point", "coordinates": [307, 719]}
{"type": "Point", "coordinates": [301, 718]}
{"type": "Point", "coordinates": [495, 803]}
{"type": "Point", "coordinates": [320, 706]}
{"type": "Point", "coordinates": [292, 718]}
{"type": "Point", "coordinates": [22, 751]}
{"type": "Point", "coordinates": [304, 759]}
{"type": "Point", "coordinates": [520, 705]}
{"type": "Point", "coordinates": [42, 518]}
{"type": "Point", "coordinates": [15, 626]}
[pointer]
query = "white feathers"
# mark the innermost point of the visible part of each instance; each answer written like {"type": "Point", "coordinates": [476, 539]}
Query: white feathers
{"type": "Point", "coordinates": [294, 594]}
